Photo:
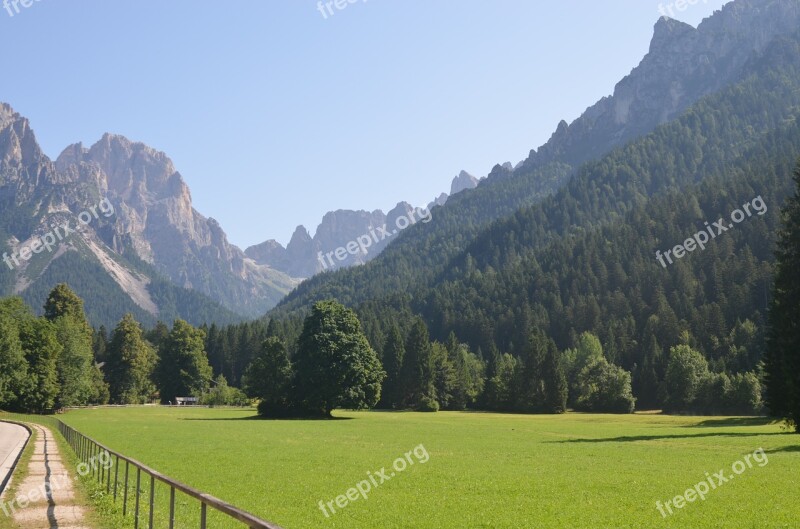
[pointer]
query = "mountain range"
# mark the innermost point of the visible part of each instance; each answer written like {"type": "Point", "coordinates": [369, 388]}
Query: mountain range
{"type": "Point", "coordinates": [684, 65]}
{"type": "Point", "coordinates": [156, 256]}
{"type": "Point", "coordinates": [301, 257]}
{"type": "Point", "coordinates": [159, 258]}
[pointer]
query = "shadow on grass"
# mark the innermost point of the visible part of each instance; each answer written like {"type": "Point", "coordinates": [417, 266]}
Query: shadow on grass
{"type": "Point", "coordinates": [260, 418]}
{"type": "Point", "coordinates": [786, 449]}
{"type": "Point", "coordinates": [735, 421]}
{"type": "Point", "coordinates": [632, 438]}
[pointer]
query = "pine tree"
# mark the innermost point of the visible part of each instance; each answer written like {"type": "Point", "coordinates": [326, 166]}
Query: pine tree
{"type": "Point", "coordinates": [555, 381]}
{"type": "Point", "coordinates": [158, 335]}
{"type": "Point", "coordinates": [782, 360]}
{"type": "Point", "coordinates": [393, 356]}
{"type": "Point", "coordinates": [100, 344]}
{"type": "Point", "coordinates": [418, 370]}
{"type": "Point", "coordinates": [647, 375]}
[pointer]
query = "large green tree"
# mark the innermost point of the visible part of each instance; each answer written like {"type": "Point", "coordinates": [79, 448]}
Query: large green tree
{"type": "Point", "coordinates": [687, 370]}
{"type": "Point", "coordinates": [269, 378]}
{"type": "Point", "coordinates": [42, 350]}
{"type": "Point", "coordinates": [605, 388]}
{"type": "Point", "coordinates": [596, 384]}
{"type": "Point", "coordinates": [13, 368]}
{"type": "Point", "coordinates": [183, 369]}
{"type": "Point", "coordinates": [32, 378]}
{"type": "Point", "coordinates": [76, 369]}
{"type": "Point", "coordinates": [335, 367]}
{"type": "Point", "coordinates": [782, 359]}
{"type": "Point", "coordinates": [131, 362]}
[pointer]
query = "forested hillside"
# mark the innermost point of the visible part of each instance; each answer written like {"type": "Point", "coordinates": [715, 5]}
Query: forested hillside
{"type": "Point", "coordinates": [585, 258]}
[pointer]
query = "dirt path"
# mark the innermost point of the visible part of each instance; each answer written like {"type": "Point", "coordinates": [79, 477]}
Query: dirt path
{"type": "Point", "coordinates": [45, 499]}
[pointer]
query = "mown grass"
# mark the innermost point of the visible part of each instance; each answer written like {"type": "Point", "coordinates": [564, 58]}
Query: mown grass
{"type": "Point", "coordinates": [485, 470]}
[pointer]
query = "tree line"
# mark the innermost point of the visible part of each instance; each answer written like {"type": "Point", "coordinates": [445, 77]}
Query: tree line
{"type": "Point", "coordinates": [57, 361]}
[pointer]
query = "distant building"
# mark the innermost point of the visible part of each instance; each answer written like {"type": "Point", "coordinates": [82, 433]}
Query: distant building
{"type": "Point", "coordinates": [186, 401]}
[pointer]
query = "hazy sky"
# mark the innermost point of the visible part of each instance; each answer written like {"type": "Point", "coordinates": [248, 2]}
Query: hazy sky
{"type": "Point", "coordinates": [275, 114]}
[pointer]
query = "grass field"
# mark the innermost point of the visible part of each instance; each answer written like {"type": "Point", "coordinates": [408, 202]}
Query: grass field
{"type": "Point", "coordinates": [484, 470]}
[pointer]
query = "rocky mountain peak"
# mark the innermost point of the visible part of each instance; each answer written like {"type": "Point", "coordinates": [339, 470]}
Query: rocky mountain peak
{"type": "Point", "coordinates": [18, 146]}
{"type": "Point", "coordinates": [684, 64]}
{"type": "Point", "coordinates": [134, 168]}
{"type": "Point", "coordinates": [7, 115]}
{"type": "Point", "coordinates": [668, 31]}
{"type": "Point", "coordinates": [463, 181]}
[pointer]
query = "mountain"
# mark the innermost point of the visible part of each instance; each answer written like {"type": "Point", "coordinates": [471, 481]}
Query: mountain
{"type": "Point", "coordinates": [144, 232]}
{"type": "Point", "coordinates": [683, 66]}
{"type": "Point", "coordinates": [305, 256]}
{"type": "Point", "coordinates": [583, 256]}
{"type": "Point", "coordinates": [462, 182]}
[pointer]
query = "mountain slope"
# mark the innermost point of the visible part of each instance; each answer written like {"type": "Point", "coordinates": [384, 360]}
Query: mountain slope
{"type": "Point", "coordinates": [125, 211]}
{"type": "Point", "coordinates": [585, 258]}
{"type": "Point", "coordinates": [683, 65]}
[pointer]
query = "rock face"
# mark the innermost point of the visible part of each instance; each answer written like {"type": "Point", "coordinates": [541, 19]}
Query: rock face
{"type": "Point", "coordinates": [301, 258]}
{"type": "Point", "coordinates": [154, 219]}
{"type": "Point", "coordinates": [463, 181]}
{"type": "Point", "coordinates": [683, 65]}
{"type": "Point", "coordinates": [340, 230]}
{"type": "Point", "coordinates": [306, 256]}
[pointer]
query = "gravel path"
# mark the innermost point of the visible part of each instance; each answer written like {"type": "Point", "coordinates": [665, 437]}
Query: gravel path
{"type": "Point", "coordinates": [46, 497]}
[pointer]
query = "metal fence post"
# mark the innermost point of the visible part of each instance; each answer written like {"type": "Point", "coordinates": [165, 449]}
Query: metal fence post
{"type": "Point", "coordinates": [172, 508]}
{"type": "Point", "coordinates": [125, 492]}
{"type": "Point", "coordinates": [116, 479]}
{"type": "Point", "coordinates": [138, 485]}
{"type": "Point", "coordinates": [152, 499]}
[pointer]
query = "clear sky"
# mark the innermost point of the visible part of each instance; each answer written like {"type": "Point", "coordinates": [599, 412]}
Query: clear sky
{"type": "Point", "coordinates": [275, 114]}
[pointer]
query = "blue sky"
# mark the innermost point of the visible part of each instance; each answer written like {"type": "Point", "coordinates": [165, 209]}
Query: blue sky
{"type": "Point", "coordinates": [275, 114]}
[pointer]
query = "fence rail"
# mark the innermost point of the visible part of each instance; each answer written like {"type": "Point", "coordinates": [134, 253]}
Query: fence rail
{"type": "Point", "coordinates": [88, 449]}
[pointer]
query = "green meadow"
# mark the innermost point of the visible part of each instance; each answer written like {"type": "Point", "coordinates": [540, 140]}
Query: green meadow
{"type": "Point", "coordinates": [483, 470]}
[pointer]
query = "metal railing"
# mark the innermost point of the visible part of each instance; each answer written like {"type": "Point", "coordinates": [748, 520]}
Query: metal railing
{"type": "Point", "coordinates": [88, 449]}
